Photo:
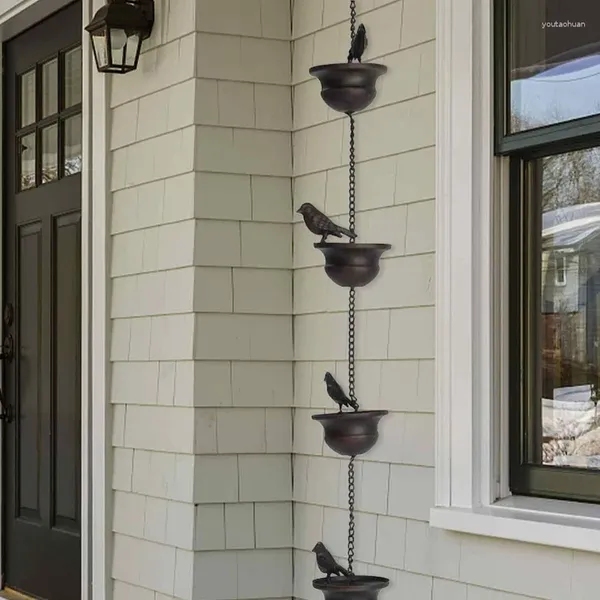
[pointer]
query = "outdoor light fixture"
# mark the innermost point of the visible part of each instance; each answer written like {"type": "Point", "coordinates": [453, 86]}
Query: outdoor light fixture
{"type": "Point", "coordinates": [117, 31]}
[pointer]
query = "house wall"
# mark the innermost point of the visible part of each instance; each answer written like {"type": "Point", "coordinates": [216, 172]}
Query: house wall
{"type": "Point", "coordinates": [201, 306]}
{"type": "Point", "coordinates": [395, 349]}
{"type": "Point", "coordinates": [395, 319]}
{"type": "Point", "coordinates": [204, 368]}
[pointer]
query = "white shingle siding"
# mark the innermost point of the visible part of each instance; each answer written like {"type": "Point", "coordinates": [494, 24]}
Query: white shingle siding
{"type": "Point", "coordinates": [395, 325]}
{"type": "Point", "coordinates": [201, 306]}
{"type": "Point", "coordinates": [210, 349]}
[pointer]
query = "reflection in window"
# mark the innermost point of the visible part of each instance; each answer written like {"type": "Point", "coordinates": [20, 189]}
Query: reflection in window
{"type": "Point", "coordinates": [72, 77]}
{"type": "Point", "coordinates": [570, 319]}
{"type": "Point", "coordinates": [26, 149]}
{"type": "Point", "coordinates": [28, 98]}
{"type": "Point", "coordinates": [49, 88]}
{"type": "Point", "coordinates": [554, 61]}
{"type": "Point", "coordinates": [72, 139]}
{"type": "Point", "coordinates": [560, 270]}
{"type": "Point", "coordinates": [49, 153]}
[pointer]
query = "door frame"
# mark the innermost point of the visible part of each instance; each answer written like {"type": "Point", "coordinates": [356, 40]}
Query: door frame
{"type": "Point", "coordinates": [15, 17]}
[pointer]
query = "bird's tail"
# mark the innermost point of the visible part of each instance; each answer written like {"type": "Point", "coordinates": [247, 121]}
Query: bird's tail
{"type": "Point", "coordinates": [351, 234]}
{"type": "Point", "coordinates": [344, 572]}
{"type": "Point", "coordinates": [353, 403]}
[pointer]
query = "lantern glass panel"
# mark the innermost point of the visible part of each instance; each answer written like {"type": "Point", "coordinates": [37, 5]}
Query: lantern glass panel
{"type": "Point", "coordinates": [132, 52]}
{"type": "Point", "coordinates": [118, 47]}
{"type": "Point", "coordinates": [100, 45]}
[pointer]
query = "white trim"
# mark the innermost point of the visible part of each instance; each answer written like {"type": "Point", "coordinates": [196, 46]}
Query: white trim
{"type": "Point", "coordinates": [98, 211]}
{"type": "Point", "coordinates": [554, 523]}
{"type": "Point", "coordinates": [465, 248]}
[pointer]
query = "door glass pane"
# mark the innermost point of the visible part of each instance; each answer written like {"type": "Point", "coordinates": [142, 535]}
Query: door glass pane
{"type": "Point", "coordinates": [50, 153]}
{"type": "Point", "coordinates": [569, 320]}
{"type": "Point", "coordinates": [73, 77]}
{"type": "Point", "coordinates": [72, 139]}
{"type": "Point", "coordinates": [28, 98]}
{"type": "Point", "coordinates": [49, 88]}
{"type": "Point", "coordinates": [26, 147]}
{"type": "Point", "coordinates": [554, 61]}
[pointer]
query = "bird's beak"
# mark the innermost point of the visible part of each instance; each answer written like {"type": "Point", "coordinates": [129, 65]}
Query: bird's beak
{"type": "Point", "coordinates": [298, 211]}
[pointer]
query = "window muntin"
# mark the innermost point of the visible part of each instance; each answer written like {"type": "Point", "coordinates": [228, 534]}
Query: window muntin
{"type": "Point", "coordinates": [553, 62]}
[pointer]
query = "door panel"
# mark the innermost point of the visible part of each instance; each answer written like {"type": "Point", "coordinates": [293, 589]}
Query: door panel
{"type": "Point", "coordinates": [42, 280]}
{"type": "Point", "coordinates": [67, 300]}
{"type": "Point", "coordinates": [28, 427]}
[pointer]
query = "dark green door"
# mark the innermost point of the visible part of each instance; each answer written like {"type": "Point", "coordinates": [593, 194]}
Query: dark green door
{"type": "Point", "coordinates": [42, 295]}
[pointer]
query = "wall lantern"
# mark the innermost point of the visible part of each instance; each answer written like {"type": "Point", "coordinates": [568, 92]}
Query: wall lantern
{"type": "Point", "coordinates": [117, 31]}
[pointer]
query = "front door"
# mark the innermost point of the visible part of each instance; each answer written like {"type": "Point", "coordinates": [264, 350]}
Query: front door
{"type": "Point", "coordinates": [42, 315]}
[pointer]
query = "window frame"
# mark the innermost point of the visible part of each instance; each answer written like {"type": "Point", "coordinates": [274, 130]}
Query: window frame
{"type": "Point", "coordinates": [563, 269]}
{"type": "Point", "coordinates": [520, 150]}
{"type": "Point", "coordinates": [576, 131]}
{"type": "Point", "coordinates": [472, 492]}
{"type": "Point", "coordinates": [58, 118]}
{"type": "Point", "coordinates": [525, 477]}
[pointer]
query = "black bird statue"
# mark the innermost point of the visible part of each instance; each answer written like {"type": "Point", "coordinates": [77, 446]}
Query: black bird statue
{"type": "Point", "coordinates": [359, 44]}
{"type": "Point", "coordinates": [327, 564]}
{"type": "Point", "coordinates": [337, 393]}
{"type": "Point", "coordinates": [322, 225]}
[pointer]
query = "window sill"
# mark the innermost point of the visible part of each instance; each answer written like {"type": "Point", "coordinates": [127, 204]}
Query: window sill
{"type": "Point", "coordinates": [555, 523]}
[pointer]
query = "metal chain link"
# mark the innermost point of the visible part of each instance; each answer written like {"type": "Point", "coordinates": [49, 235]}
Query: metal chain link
{"type": "Point", "coordinates": [352, 26]}
{"type": "Point", "coordinates": [351, 308]}
{"type": "Point", "coordinates": [352, 293]}
{"type": "Point", "coordinates": [351, 342]}
{"type": "Point", "coordinates": [351, 497]}
{"type": "Point", "coordinates": [352, 178]}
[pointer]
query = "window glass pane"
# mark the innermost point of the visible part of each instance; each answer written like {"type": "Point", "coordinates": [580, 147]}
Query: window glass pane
{"type": "Point", "coordinates": [73, 77]}
{"type": "Point", "coordinates": [554, 61]}
{"type": "Point", "coordinates": [26, 147]}
{"type": "Point", "coordinates": [50, 153]}
{"type": "Point", "coordinates": [569, 327]}
{"type": "Point", "coordinates": [72, 139]}
{"type": "Point", "coordinates": [49, 88]}
{"type": "Point", "coordinates": [28, 98]}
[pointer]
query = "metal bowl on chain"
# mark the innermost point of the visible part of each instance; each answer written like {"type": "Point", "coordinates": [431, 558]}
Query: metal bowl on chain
{"type": "Point", "coordinates": [358, 587]}
{"type": "Point", "coordinates": [351, 433]}
{"type": "Point", "coordinates": [352, 265]}
{"type": "Point", "coordinates": [348, 87]}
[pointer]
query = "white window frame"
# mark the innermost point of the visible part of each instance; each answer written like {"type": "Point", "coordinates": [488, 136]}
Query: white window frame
{"type": "Point", "coordinates": [561, 259]}
{"type": "Point", "coordinates": [472, 491]}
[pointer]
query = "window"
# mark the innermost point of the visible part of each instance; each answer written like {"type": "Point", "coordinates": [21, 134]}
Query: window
{"type": "Point", "coordinates": [560, 270]}
{"type": "Point", "coordinates": [49, 126]}
{"type": "Point", "coordinates": [548, 124]}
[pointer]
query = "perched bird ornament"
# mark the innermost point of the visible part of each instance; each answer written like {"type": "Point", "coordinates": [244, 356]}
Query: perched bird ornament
{"type": "Point", "coordinates": [327, 564]}
{"type": "Point", "coordinates": [321, 224]}
{"type": "Point", "coordinates": [358, 45]}
{"type": "Point", "coordinates": [337, 393]}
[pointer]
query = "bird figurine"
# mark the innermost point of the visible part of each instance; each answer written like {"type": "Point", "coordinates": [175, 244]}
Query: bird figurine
{"type": "Point", "coordinates": [359, 44]}
{"type": "Point", "coordinates": [327, 564]}
{"type": "Point", "coordinates": [337, 393]}
{"type": "Point", "coordinates": [321, 224]}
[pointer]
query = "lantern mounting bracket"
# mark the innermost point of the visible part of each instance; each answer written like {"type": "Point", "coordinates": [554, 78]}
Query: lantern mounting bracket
{"type": "Point", "coordinates": [146, 7]}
